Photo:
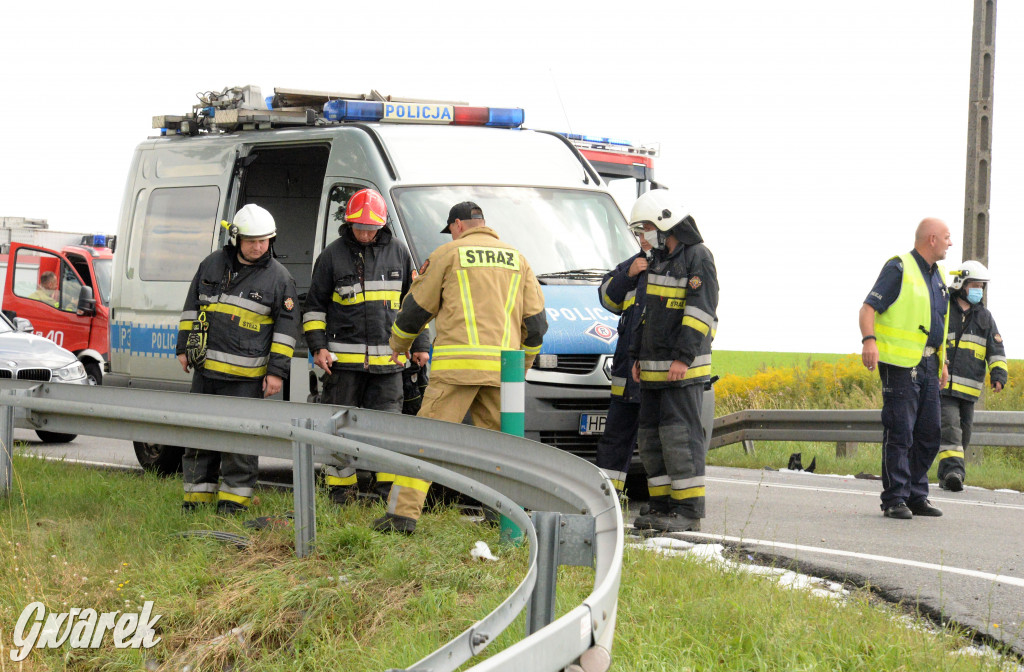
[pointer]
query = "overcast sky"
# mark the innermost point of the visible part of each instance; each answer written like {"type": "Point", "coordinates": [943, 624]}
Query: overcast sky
{"type": "Point", "coordinates": [807, 137]}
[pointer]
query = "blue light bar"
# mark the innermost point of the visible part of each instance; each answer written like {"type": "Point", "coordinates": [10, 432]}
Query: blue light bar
{"type": "Point", "coordinates": [505, 117]}
{"type": "Point", "coordinates": [353, 110]}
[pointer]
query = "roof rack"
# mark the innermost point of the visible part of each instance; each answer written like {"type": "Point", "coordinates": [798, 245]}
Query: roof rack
{"type": "Point", "coordinates": [245, 108]}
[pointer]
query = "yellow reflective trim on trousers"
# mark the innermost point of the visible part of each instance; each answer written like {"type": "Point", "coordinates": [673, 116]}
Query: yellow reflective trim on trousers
{"type": "Point", "coordinates": [185, 325]}
{"type": "Point", "coordinates": [244, 501]}
{"type": "Point", "coordinates": [201, 497]}
{"type": "Point", "coordinates": [618, 390]}
{"type": "Point", "coordinates": [341, 480]}
{"type": "Point", "coordinates": [669, 292]}
{"type": "Point", "coordinates": [412, 483]}
{"type": "Point", "coordinates": [467, 364]}
{"type": "Point", "coordinates": [662, 376]}
{"type": "Point", "coordinates": [314, 325]}
{"type": "Point", "coordinates": [694, 323]}
{"type": "Point", "coordinates": [384, 477]}
{"type": "Point", "coordinates": [467, 308]}
{"type": "Point", "coordinates": [281, 349]}
{"type": "Point", "coordinates": [404, 335]}
{"type": "Point", "coordinates": [241, 313]}
{"type": "Point", "coordinates": [231, 369]}
{"type": "Point", "coordinates": [619, 485]}
{"type": "Point", "coordinates": [949, 453]}
{"type": "Point", "coordinates": [510, 304]}
{"type": "Point", "coordinates": [482, 350]}
{"type": "Point", "coordinates": [957, 387]}
{"type": "Point", "coordinates": [688, 493]}
{"type": "Point", "coordinates": [659, 490]}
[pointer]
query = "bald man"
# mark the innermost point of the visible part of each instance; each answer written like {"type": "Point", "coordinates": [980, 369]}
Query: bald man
{"type": "Point", "coordinates": [903, 325]}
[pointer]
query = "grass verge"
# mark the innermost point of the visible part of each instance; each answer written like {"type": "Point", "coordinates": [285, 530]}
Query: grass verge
{"type": "Point", "coordinates": [73, 537]}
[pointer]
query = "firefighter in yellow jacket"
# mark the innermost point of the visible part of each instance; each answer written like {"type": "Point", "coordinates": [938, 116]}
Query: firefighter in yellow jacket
{"type": "Point", "coordinates": [486, 299]}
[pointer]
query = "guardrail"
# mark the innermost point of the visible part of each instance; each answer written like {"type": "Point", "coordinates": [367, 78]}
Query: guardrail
{"type": "Point", "coordinates": [991, 428]}
{"type": "Point", "coordinates": [576, 514]}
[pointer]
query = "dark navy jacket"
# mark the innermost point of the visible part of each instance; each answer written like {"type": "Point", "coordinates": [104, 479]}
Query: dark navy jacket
{"type": "Point", "coordinates": [624, 296]}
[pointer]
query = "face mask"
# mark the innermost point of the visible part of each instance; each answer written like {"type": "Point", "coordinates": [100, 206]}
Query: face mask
{"type": "Point", "coordinates": [652, 238]}
{"type": "Point", "coordinates": [974, 294]}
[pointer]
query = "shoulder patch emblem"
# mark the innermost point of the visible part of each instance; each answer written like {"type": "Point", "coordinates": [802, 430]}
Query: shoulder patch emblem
{"type": "Point", "coordinates": [289, 303]}
{"type": "Point", "coordinates": [423, 268]}
{"type": "Point", "coordinates": [997, 338]}
{"type": "Point", "coordinates": [695, 282]}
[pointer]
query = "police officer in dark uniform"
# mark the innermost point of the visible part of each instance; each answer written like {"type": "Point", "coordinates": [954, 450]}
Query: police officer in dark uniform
{"type": "Point", "coordinates": [673, 362]}
{"type": "Point", "coordinates": [622, 292]}
{"type": "Point", "coordinates": [903, 324]}
{"type": "Point", "coordinates": [358, 284]}
{"type": "Point", "coordinates": [237, 332]}
{"type": "Point", "coordinates": [974, 345]}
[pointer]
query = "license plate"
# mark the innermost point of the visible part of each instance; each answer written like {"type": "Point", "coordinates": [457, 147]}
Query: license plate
{"type": "Point", "coordinates": [592, 423]}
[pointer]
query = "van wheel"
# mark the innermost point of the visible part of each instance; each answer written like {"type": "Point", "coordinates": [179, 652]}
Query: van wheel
{"type": "Point", "coordinates": [55, 437]}
{"type": "Point", "coordinates": [158, 458]}
{"type": "Point", "coordinates": [93, 373]}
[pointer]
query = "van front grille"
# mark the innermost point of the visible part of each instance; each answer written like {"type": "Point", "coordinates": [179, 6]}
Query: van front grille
{"type": "Point", "coordinates": [572, 442]}
{"type": "Point", "coordinates": [596, 405]}
{"type": "Point", "coordinates": [578, 364]}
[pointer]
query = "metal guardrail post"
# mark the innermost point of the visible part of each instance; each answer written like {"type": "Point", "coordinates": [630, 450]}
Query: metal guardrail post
{"type": "Point", "coordinates": [6, 448]}
{"type": "Point", "coordinates": [541, 609]}
{"type": "Point", "coordinates": [303, 489]}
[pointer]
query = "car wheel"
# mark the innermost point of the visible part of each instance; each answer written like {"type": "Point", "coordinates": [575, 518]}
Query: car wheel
{"type": "Point", "coordinates": [158, 458]}
{"type": "Point", "coordinates": [93, 372]}
{"type": "Point", "coordinates": [55, 437]}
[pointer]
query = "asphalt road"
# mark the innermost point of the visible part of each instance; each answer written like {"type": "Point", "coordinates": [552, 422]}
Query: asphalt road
{"type": "Point", "coordinates": [967, 565]}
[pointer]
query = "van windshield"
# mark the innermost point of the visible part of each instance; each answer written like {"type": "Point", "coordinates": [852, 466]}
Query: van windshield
{"type": "Point", "coordinates": [102, 268]}
{"type": "Point", "coordinates": [567, 235]}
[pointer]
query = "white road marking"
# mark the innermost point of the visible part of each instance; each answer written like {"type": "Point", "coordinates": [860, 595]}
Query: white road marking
{"type": "Point", "coordinates": [842, 491]}
{"type": "Point", "coordinates": [1000, 578]}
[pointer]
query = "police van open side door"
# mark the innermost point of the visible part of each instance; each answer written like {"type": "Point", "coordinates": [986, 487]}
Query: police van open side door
{"type": "Point", "coordinates": [181, 193]}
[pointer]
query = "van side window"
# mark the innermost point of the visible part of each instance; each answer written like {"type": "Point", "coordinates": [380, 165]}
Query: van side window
{"type": "Point", "coordinates": [178, 232]}
{"type": "Point", "coordinates": [340, 193]}
{"type": "Point", "coordinates": [47, 278]}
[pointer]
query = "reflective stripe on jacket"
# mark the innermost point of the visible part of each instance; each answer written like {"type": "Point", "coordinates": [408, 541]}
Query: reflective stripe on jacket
{"type": "Point", "coordinates": [624, 296]}
{"type": "Point", "coordinates": [252, 317]}
{"type": "Point", "coordinates": [973, 346]}
{"type": "Point", "coordinates": [900, 331]}
{"type": "Point", "coordinates": [485, 298]}
{"type": "Point", "coordinates": [353, 299]}
{"type": "Point", "coordinates": [679, 320]}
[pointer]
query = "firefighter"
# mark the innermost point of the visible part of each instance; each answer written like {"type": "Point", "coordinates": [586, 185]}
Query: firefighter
{"type": "Point", "coordinates": [237, 334]}
{"type": "Point", "coordinates": [358, 284]}
{"type": "Point", "coordinates": [622, 293]}
{"type": "Point", "coordinates": [672, 361]}
{"type": "Point", "coordinates": [903, 324]}
{"type": "Point", "coordinates": [973, 344]}
{"type": "Point", "coordinates": [486, 299]}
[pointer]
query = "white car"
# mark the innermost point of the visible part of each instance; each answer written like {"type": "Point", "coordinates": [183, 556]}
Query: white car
{"type": "Point", "coordinates": [24, 356]}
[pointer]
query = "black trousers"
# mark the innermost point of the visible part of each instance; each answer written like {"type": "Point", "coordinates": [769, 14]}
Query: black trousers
{"type": "Point", "coordinates": [616, 446]}
{"type": "Point", "coordinates": [201, 469]}
{"type": "Point", "coordinates": [957, 422]}
{"type": "Point", "coordinates": [671, 441]}
{"type": "Point", "coordinates": [910, 429]}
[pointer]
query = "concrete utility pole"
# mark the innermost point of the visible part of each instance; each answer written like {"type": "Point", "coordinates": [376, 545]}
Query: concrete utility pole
{"type": "Point", "coordinates": [979, 149]}
{"type": "Point", "coordinates": [979, 132]}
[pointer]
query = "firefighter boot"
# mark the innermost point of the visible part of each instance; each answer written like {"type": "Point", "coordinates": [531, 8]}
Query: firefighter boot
{"type": "Point", "coordinates": [392, 523]}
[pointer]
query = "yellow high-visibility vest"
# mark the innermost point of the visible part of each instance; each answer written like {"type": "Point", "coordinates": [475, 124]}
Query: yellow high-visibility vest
{"type": "Point", "coordinates": [900, 330]}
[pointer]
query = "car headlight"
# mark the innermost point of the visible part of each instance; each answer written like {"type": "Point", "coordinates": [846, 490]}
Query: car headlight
{"type": "Point", "coordinates": [72, 371]}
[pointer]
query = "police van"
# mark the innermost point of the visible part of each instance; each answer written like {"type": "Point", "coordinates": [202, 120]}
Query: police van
{"type": "Point", "coordinates": [301, 155]}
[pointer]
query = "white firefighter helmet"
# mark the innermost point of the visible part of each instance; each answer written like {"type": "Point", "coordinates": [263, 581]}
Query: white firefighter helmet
{"type": "Point", "coordinates": [252, 222]}
{"type": "Point", "coordinates": [660, 208]}
{"type": "Point", "coordinates": [969, 271]}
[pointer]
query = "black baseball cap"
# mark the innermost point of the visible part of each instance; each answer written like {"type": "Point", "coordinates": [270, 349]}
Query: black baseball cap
{"type": "Point", "coordinates": [464, 210]}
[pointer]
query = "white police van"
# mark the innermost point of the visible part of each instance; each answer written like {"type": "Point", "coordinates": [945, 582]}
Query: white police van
{"type": "Point", "coordinates": [301, 155]}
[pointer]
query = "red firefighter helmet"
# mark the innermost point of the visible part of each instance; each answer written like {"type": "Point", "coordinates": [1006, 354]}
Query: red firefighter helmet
{"type": "Point", "coordinates": [366, 210]}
